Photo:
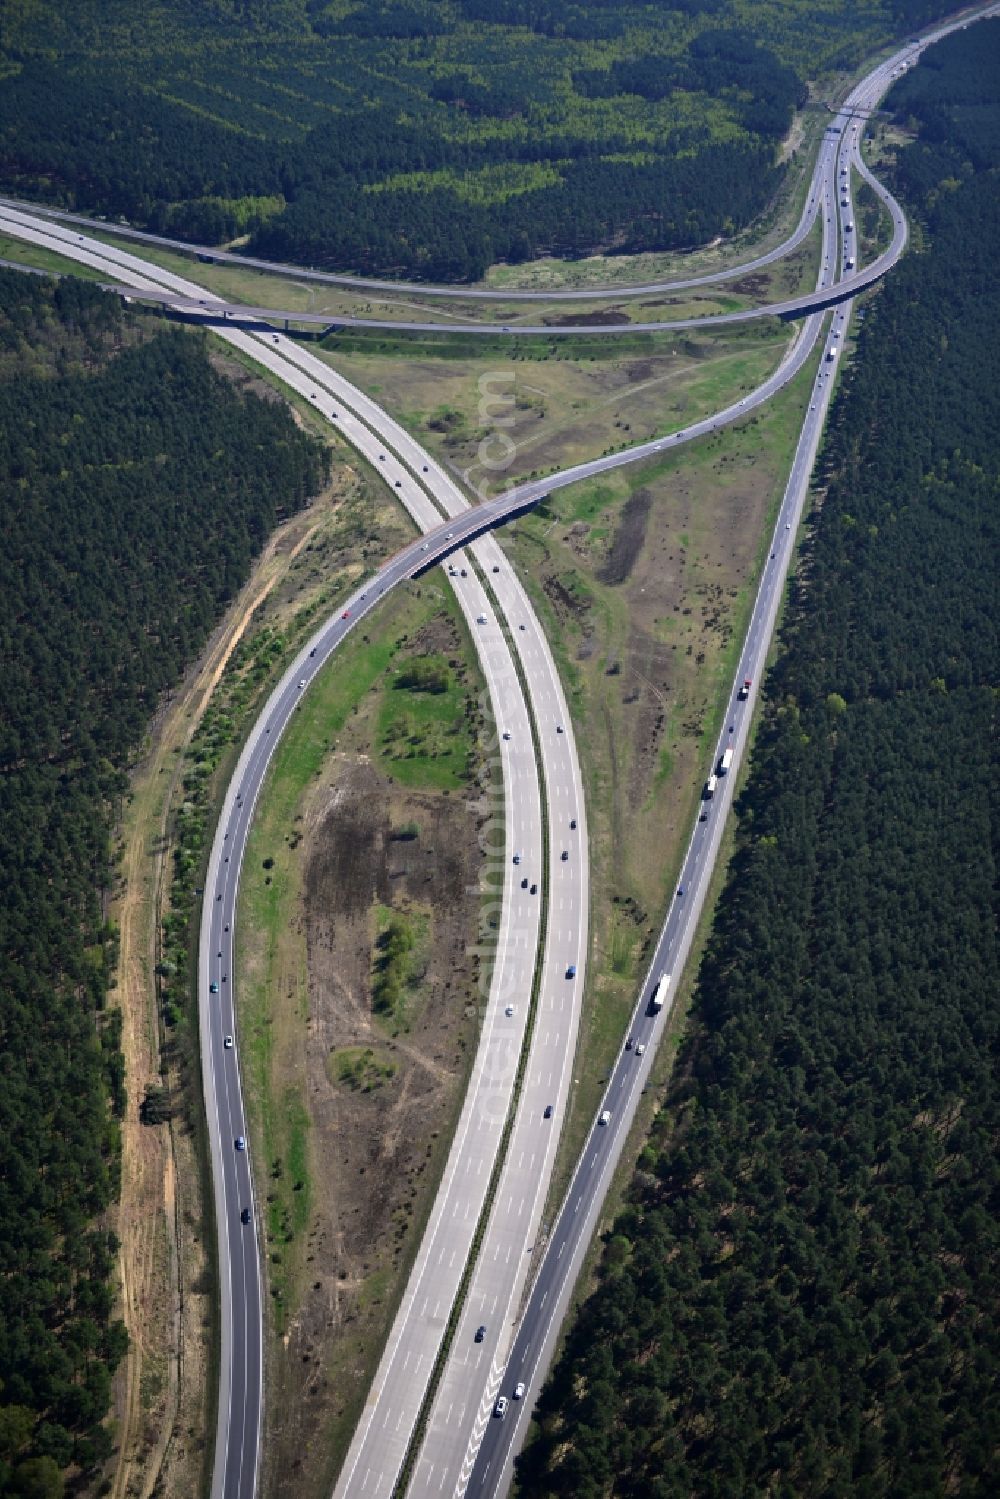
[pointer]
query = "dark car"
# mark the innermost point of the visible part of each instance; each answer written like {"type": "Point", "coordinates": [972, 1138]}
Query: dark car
{"type": "Point", "coordinates": [245, 1216]}
{"type": "Point", "coordinates": [548, 1111]}
{"type": "Point", "coordinates": [533, 890]}
{"type": "Point", "coordinates": [480, 1332]}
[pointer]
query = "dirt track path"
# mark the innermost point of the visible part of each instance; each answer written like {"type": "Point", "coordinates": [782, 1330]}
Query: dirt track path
{"type": "Point", "coordinates": [148, 1387]}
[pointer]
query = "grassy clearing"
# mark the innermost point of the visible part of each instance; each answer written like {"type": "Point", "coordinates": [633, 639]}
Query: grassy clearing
{"type": "Point", "coordinates": [360, 1067]}
{"type": "Point", "coordinates": [497, 415]}
{"type": "Point", "coordinates": [422, 738]}
{"type": "Point", "coordinates": [399, 961]}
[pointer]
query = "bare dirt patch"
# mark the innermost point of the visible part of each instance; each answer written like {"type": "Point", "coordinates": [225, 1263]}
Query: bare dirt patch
{"type": "Point", "coordinates": [381, 1093]}
{"type": "Point", "coordinates": [629, 536]}
{"type": "Point", "coordinates": [611, 318]}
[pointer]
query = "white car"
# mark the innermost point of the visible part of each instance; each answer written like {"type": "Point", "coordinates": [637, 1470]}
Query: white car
{"type": "Point", "coordinates": [481, 619]}
{"type": "Point", "coordinates": [500, 1409]}
{"type": "Point", "coordinates": [519, 1389]}
{"type": "Point", "coordinates": [605, 1117]}
{"type": "Point", "coordinates": [228, 1043]}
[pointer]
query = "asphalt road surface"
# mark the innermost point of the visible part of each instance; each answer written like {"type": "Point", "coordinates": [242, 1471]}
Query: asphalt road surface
{"type": "Point", "coordinates": [507, 1237]}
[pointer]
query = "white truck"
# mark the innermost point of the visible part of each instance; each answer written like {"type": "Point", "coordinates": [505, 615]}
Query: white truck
{"type": "Point", "coordinates": [659, 994]}
{"type": "Point", "coordinates": [710, 786]}
{"type": "Point", "coordinates": [726, 760]}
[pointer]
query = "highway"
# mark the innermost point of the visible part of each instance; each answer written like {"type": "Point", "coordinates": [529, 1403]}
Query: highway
{"type": "Point", "coordinates": [455, 1430]}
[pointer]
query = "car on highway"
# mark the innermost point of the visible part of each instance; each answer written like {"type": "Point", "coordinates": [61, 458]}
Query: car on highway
{"type": "Point", "coordinates": [519, 1389]}
{"type": "Point", "coordinates": [565, 855]}
{"type": "Point", "coordinates": [228, 1043]}
{"type": "Point", "coordinates": [605, 1117]}
{"type": "Point", "coordinates": [302, 683]}
{"type": "Point", "coordinates": [346, 614]}
{"type": "Point", "coordinates": [449, 535]}
{"type": "Point", "coordinates": [506, 733]}
{"type": "Point", "coordinates": [524, 883]}
{"type": "Point", "coordinates": [481, 619]}
{"type": "Point", "coordinates": [517, 858]}
{"type": "Point", "coordinates": [571, 971]}
{"type": "Point", "coordinates": [500, 1409]}
{"type": "Point", "coordinates": [640, 1048]}
{"type": "Point", "coordinates": [548, 1111]}
{"type": "Point", "coordinates": [533, 890]}
{"type": "Point", "coordinates": [572, 822]}
{"type": "Point", "coordinates": [509, 1011]}
{"type": "Point", "coordinates": [559, 728]}
{"type": "Point", "coordinates": [245, 1216]}
{"type": "Point", "coordinates": [241, 1144]}
{"type": "Point", "coordinates": [480, 1332]}
{"type": "Point", "coordinates": [213, 987]}
{"type": "Point", "coordinates": [425, 468]}
{"type": "Point", "coordinates": [496, 569]}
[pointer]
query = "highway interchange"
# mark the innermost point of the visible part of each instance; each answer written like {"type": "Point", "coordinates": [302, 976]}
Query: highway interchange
{"type": "Point", "coordinates": [465, 1447]}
